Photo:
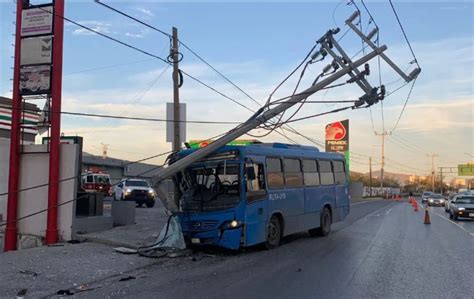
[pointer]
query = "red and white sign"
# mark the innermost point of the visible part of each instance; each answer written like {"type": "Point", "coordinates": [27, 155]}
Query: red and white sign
{"type": "Point", "coordinates": [337, 136]}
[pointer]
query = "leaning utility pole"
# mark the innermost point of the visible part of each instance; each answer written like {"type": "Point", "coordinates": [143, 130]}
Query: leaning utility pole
{"type": "Point", "coordinates": [433, 173]}
{"type": "Point", "coordinates": [385, 133]}
{"type": "Point", "coordinates": [176, 83]}
{"type": "Point", "coordinates": [340, 67]}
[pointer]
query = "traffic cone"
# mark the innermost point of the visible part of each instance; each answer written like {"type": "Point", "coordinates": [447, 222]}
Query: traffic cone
{"type": "Point", "coordinates": [427, 217]}
{"type": "Point", "coordinates": [415, 205]}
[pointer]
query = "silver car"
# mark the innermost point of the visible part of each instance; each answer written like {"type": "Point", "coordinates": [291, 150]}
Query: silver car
{"type": "Point", "coordinates": [447, 205]}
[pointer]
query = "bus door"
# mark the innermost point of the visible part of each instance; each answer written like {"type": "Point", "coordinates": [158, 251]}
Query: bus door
{"type": "Point", "coordinates": [255, 199]}
{"type": "Point", "coordinates": [327, 189]}
{"type": "Point", "coordinates": [341, 192]}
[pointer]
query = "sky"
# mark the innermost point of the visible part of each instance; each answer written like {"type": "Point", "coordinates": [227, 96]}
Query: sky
{"type": "Point", "coordinates": [256, 45]}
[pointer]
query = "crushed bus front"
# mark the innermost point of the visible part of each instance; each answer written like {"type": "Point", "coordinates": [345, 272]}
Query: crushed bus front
{"type": "Point", "coordinates": [212, 228]}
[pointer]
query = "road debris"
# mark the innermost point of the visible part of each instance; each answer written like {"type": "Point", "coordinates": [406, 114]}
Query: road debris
{"type": "Point", "coordinates": [127, 278]}
{"type": "Point", "coordinates": [28, 272]}
{"type": "Point", "coordinates": [21, 294]}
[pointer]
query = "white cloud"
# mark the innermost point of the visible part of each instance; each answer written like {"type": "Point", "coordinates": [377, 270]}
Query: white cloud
{"type": "Point", "coordinates": [145, 11]}
{"type": "Point", "coordinates": [140, 34]}
{"type": "Point", "coordinates": [97, 26]}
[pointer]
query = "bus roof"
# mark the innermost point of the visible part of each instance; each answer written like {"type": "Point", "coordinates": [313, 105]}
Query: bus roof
{"type": "Point", "coordinates": [274, 149]}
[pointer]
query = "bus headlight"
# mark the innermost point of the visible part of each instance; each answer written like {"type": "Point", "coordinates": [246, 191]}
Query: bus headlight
{"type": "Point", "coordinates": [233, 224]}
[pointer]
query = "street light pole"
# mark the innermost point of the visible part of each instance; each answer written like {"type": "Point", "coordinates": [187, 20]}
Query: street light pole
{"type": "Point", "coordinates": [433, 173]}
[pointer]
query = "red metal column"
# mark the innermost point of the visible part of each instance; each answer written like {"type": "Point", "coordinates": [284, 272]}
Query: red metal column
{"type": "Point", "coordinates": [52, 224]}
{"type": "Point", "coordinates": [14, 172]}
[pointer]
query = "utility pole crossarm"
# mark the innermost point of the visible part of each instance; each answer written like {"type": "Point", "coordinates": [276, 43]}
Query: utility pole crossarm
{"type": "Point", "coordinates": [406, 77]}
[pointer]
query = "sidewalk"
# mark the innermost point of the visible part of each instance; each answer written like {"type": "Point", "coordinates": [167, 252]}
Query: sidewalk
{"type": "Point", "coordinates": [149, 222]}
{"type": "Point", "coordinates": [45, 270]}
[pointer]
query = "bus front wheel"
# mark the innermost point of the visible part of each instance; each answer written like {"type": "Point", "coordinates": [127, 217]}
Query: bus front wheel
{"type": "Point", "coordinates": [325, 227]}
{"type": "Point", "coordinates": [273, 233]}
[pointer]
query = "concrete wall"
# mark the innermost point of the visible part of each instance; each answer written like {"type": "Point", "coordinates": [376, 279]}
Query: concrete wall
{"type": "Point", "coordinates": [34, 171]}
{"type": "Point", "coordinates": [356, 189]}
{"type": "Point", "coordinates": [4, 161]}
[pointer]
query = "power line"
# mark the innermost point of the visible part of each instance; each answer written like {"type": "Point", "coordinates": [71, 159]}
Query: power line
{"type": "Point", "coordinates": [68, 201]}
{"type": "Point", "coordinates": [133, 18]}
{"type": "Point", "coordinates": [75, 177]}
{"type": "Point", "coordinates": [154, 56]}
{"type": "Point", "coordinates": [404, 106]}
{"type": "Point", "coordinates": [129, 117]}
{"type": "Point", "coordinates": [404, 34]}
{"type": "Point", "coordinates": [182, 43]}
{"type": "Point", "coordinates": [209, 65]}
{"type": "Point", "coordinates": [141, 51]}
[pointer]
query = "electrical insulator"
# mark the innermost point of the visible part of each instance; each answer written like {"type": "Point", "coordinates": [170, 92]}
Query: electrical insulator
{"type": "Point", "coordinates": [327, 68]}
{"type": "Point", "coordinates": [366, 69]}
{"type": "Point", "coordinates": [353, 17]}
{"type": "Point", "coordinates": [372, 33]}
{"type": "Point", "coordinates": [415, 73]}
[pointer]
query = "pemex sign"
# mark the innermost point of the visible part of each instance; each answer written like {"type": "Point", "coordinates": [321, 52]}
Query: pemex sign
{"type": "Point", "coordinates": [337, 136]}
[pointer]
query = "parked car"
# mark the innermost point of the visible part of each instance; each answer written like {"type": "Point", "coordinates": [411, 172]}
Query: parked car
{"type": "Point", "coordinates": [424, 196]}
{"type": "Point", "coordinates": [436, 200]}
{"type": "Point", "coordinates": [136, 190]}
{"type": "Point", "coordinates": [452, 196]}
{"type": "Point", "coordinates": [462, 206]}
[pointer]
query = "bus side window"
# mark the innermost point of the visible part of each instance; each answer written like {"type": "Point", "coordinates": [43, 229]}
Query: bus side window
{"type": "Point", "coordinates": [274, 173]}
{"type": "Point", "coordinates": [311, 174]}
{"type": "Point", "coordinates": [339, 173]}
{"type": "Point", "coordinates": [293, 174]}
{"type": "Point", "coordinates": [327, 176]}
{"type": "Point", "coordinates": [255, 183]}
{"type": "Point", "coordinates": [90, 179]}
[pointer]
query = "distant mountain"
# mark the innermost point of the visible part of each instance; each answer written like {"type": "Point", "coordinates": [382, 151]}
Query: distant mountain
{"type": "Point", "coordinates": [401, 178]}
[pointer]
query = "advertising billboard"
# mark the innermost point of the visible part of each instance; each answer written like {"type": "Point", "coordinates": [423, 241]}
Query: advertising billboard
{"type": "Point", "coordinates": [337, 136]}
{"type": "Point", "coordinates": [37, 21]}
{"type": "Point", "coordinates": [35, 79]}
{"type": "Point", "coordinates": [36, 50]}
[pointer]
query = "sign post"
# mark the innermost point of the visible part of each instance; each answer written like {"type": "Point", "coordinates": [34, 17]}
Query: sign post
{"type": "Point", "coordinates": [37, 71]}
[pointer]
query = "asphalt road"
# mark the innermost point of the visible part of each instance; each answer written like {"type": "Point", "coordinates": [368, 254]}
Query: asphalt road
{"type": "Point", "coordinates": [382, 249]}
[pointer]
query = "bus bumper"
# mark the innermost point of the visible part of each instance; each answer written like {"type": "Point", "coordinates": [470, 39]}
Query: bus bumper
{"type": "Point", "coordinates": [226, 238]}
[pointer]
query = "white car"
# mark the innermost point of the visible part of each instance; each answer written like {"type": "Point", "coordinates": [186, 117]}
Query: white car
{"type": "Point", "coordinates": [135, 190]}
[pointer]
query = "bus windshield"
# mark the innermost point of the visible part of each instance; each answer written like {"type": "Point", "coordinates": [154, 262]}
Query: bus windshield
{"type": "Point", "coordinates": [210, 185]}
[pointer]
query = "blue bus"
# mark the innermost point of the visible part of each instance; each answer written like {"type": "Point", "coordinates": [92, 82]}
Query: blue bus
{"type": "Point", "coordinates": [246, 195]}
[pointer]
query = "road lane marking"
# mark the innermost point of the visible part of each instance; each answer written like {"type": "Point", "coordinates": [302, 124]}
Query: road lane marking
{"type": "Point", "coordinates": [447, 219]}
{"type": "Point", "coordinates": [366, 201]}
{"type": "Point", "coordinates": [388, 211]}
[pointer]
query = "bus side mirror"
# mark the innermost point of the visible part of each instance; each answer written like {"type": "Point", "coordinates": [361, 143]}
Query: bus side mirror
{"type": "Point", "coordinates": [250, 172]}
{"type": "Point", "coordinates": [120, 185]}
